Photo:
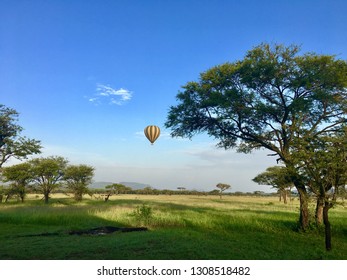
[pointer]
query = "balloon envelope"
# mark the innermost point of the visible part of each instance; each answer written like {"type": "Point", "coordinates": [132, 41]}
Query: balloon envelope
{"type": "Point", "coordinates": [152, 133]}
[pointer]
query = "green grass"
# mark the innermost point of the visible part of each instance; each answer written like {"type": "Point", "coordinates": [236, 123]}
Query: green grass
{"type": "Point", "coordinates": [180, 227]}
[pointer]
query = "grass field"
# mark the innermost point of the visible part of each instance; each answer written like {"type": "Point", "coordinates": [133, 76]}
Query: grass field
{"type": "Point", "coordinates": [180, 227]}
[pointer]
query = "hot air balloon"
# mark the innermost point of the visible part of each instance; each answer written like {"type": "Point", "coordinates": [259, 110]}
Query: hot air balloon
{"type": "Point", "coordinates": [152, 133]}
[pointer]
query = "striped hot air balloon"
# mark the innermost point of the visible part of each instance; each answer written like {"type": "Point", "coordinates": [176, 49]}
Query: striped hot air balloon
{"type": "Point", "coordinates": [152, 133]}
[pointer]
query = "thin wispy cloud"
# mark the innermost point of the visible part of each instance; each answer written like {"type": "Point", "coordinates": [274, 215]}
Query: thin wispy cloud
{"type": "Point", "coordinates": [107, 94]}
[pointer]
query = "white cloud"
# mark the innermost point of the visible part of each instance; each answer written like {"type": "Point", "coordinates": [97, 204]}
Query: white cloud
{"type": "Point", "coordinates": [107, 94]}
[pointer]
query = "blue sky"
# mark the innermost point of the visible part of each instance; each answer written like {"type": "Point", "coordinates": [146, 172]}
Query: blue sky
{"type": "Point", "coordinates": [88, 76]}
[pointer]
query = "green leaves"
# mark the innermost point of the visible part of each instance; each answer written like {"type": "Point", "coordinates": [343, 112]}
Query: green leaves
{"type": "Point", "coordinates": [265, 100]}
{"type": "Point", "coordinates": [11, 143]}
{"type": "Point", "coordinates": [276, 176]}
{"type": "Point", "coordinates": [77, 178]}
{"type": "Point", "coordinates": [48, 173]}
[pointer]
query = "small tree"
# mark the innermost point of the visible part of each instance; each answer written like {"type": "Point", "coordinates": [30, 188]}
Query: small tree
{"type": "Point", "coordinates": [77, 178]}
{"type": "Point", "coordinates": [11, 143]}
{"type": "Point", "coordinates": [116, 189]}
{"type": "Point", "coordinates": [48, 174]}
{"type": "Point", "coordinates": [181, 189]}
{"type": "Point", "coordinates": [222, 188]}
{"type": "Point", "coordinates": [277, 177]}
{"type": "Point", "coordinates": [19, 175]}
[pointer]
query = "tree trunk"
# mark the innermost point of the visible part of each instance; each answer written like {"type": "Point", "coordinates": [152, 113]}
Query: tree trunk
{"type": "Point", "coordinates": [304, 213]}
{"type": "Point", "coordinates": [327, 225]}
{"type": "Point", "coordinates": [107, 197]}
{"type": "Point", "coordinates": [285, 196]}
{"type": "Point", "coordinates": [78, 196]}
{"type": "Point", "coordinates": [319, 210]}
{"type": "Point", "coordinates": [46, 197]}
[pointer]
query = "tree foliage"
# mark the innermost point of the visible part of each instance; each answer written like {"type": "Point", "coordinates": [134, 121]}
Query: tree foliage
{"type": "Point", "coordinates": [48, 173]}
{"type": "Point", "coordinates": [269, 99]}
{"type": "Point", "coordinates": [277, 177]}
{"type": "Point", "coordinates": [19, 176]}
{"type": "Point", "coordinates": [11, 143]}
{"type": "Point", "coordinates": [77, 179]}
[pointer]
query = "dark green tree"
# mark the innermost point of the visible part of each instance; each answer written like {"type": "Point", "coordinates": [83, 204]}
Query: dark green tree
{"type": "Point", "coordinates": [19, 176]}
{"type": "Point", "coordinates": [277, 177]}
{"type": "Point", "coordinates": [11, 143]}
{"type": "Point", "coordinates": [48, 174]}
{"type": "Point", "coordinates": [77, 179]}
{"type": "Point", "coordinates": [267, 100]}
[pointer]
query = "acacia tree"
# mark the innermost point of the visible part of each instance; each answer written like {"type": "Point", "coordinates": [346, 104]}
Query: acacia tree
{"type": "Point", "coordinates": [181, 189]}
{"type": "Point", "coordinates": [222, 187]}
{"type": "Point", "coordinates": [277, 177]}
{"type": "Point", "coordinates": [11, 143]}
{"type": "Point", "coordinates": [48, 174]}
{"type": "Point", "coordinates": [267, 100]}
{"type": "Point", "coordinates": [116, 189]}
{"type": "Point", "coordinates": [77, 179]}
{"type": "Point", "coordinates": [19, 176]}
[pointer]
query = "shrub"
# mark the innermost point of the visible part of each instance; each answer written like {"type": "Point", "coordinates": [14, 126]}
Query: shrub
{"type": "Point", "coordinates": [143, 214]}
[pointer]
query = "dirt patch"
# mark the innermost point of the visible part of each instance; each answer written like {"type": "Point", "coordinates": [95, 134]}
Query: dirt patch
{"type": "Point", "coordinates": [105, 230]}
{"type": "Point", "coordinates": [93, 231]}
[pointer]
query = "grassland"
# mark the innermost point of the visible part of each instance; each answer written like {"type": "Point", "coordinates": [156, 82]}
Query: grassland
{"type": "Point", "coordinates": [180, 227]}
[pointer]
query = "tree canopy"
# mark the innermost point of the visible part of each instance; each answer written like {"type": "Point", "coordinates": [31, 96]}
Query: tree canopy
{"type": "Point", "coordinates": [19, 176]}
{"type": "Point", "coordinates": [277, 177]}
{"type": "Point", "coordinates": [48, 173]}
{"type": "Point", "coordinates": [77, 179]}
{"type": "Point", "coordinates": [266, 100]}
{"type": "Point", "coordinates": [11, 143]}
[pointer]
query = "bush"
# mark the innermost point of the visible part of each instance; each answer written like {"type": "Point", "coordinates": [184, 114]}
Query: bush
{"type": "Point", "coordinates": [143, 214]}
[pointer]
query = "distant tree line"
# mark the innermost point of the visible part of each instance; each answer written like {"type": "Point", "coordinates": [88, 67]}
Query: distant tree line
{"type": "Point", "coordinates": [122, 189]}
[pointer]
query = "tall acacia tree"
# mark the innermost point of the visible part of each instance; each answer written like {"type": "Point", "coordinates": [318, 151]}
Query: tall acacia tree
{"type": "Point", "coordinates": [11, 143]}
{"type": "Point", "coordinates": [267, 100]}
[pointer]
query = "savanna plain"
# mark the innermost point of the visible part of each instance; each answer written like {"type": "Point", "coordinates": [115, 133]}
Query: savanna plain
{"type": "Point", "coordinates": [178, 227]}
